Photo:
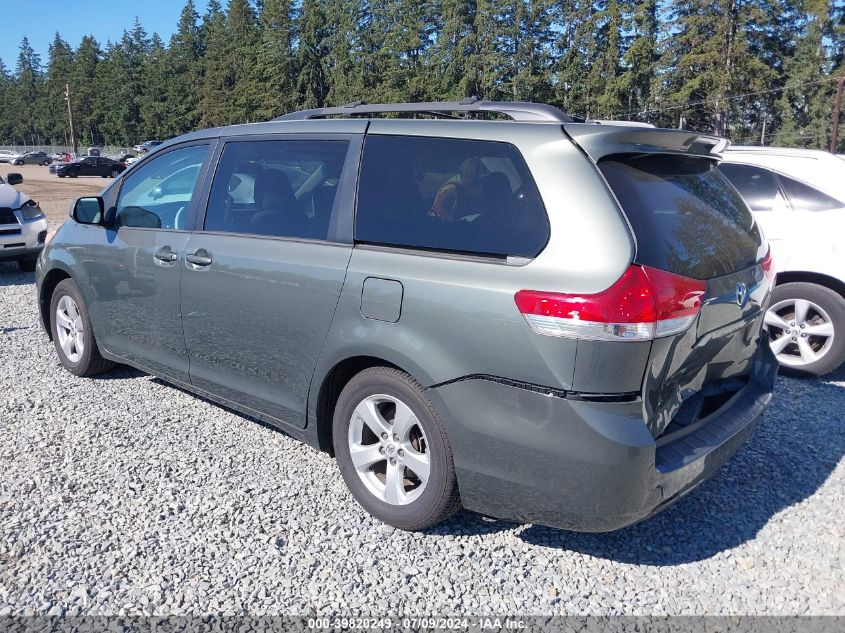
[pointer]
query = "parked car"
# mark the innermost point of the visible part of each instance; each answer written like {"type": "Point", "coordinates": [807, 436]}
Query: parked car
{"type": "Point", "coordinates": [32, 158]}
{"type": "Point", "coordinates": [6, 155]}
{"type": "Point", "coordinates": [90, 166]}
{"type": "Point", "coordinates": [122, 157]}
{"type": "Point", "coordinates": [798, 197]}
{"type": "Point", "coordinates": [23, 225]}
{"type": "Point", "coordinates": [146, 146]}
{"type": "Point", "coordinates": [460, 311]}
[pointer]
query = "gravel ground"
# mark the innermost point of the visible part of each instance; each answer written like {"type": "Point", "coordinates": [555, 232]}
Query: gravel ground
{"type": "Point", "coordinates": [124, 495]}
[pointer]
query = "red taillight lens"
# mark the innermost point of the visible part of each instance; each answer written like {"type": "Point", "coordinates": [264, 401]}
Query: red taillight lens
{"type": "Point", "coordinates": [644, 303]}
{"type": "Point", "coordinates": [768, 267]}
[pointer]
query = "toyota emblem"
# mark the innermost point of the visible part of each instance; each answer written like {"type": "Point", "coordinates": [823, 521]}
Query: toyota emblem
{"type": "Point", "coordinates": [741, 294]}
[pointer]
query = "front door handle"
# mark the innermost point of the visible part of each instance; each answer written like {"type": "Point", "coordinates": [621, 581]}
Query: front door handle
{"type": "Point", "coordinates": [164, 254]}
{"type": "Point", "coordinates": [199, 258]}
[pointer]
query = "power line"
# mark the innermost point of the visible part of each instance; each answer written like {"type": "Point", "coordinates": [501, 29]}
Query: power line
{"type": "Point", "coordinates": [690, 104]}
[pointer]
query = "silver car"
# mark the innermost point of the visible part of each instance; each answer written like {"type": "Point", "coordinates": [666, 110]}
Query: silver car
{"type": "Point", "coordinates": [540, 318]}
{"type": "Point", "coordinates": [23, 225]}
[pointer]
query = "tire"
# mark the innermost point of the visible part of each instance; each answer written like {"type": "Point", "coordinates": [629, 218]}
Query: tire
{"type": "Point", "coordinates": [18, 163]}
{"type": "Point", "coordinates": [60, 175]}
{"type": "Point", "coordinates": [46, 163]}
{"type": "Point", "coordinates": [423, 439]}
{"type": "Point", "coordinates": [115, 173]}
{"type": "Point", "coordinates": [73, 174]}
{"type": "Point", "coordinates": [799, 351]}
{"type": "Point", "coordinates": [89, 361]}
{"type": "Point", "coordinates": [27, 265]}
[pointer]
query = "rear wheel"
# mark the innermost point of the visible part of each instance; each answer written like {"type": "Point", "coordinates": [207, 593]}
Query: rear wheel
{"type": "Point", "coordinates": [115, 173]}
{"type": "Point", "coordinates": [392, 450]}
{"type": "Point", "coordinates": [72, 332]}
{"type": "Point", "coordinates": [806, 324]}
{"type": "Point", "coordinates": [18, 163]}
{"type": "Point", "coordinates": [46, 163]}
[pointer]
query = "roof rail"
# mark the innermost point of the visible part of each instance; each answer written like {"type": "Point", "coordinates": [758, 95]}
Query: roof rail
{"type": "Point", "coordinates": [516, 110]}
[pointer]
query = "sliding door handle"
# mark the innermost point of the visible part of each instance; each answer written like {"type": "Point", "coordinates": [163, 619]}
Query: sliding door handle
{"type": "Point", "coordinates": [164, 254]}
{"type": "Point", "coordinates": [200, 257]}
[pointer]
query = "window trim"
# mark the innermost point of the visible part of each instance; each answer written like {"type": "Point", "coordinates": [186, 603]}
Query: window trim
{"type": "Point", "coordinates": [199, 187]}
{"type": "Point", "coordinates": [447, 253]}
{"type": "Point", "coordinates": [343, 208]}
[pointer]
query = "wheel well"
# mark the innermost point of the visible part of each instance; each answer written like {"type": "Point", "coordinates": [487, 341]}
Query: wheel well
{"type": "Point", "coordinates": [333, 384]}
{"type": "Point", "coordinates": [837, 285]}
{"type": "Point", "coordinates": [51, 280]}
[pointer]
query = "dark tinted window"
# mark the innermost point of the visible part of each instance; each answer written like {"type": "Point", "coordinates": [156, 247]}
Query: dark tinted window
{"type": "Point", "coordinates": [758, 187]}
{"type": "Point", "coordinates": [686, 217]}
{"type": "Point", "coordinates": [276, 188]}
{"type": "Point", "coordinates": [154, 194]}
{"type": "Point", "coordinates": [449, 194]}
{"type": "Point", "coordinates": [806, 198]}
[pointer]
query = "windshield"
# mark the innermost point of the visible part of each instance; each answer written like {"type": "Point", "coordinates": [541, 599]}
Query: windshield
{"type": "Point", "coordinates": [686, 216]}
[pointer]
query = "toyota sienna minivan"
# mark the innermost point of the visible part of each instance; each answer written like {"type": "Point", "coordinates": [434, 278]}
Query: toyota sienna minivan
{"type": "Point", "coordinates": [479, 304]}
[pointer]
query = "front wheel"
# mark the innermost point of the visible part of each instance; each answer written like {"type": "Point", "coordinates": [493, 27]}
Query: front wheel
{"type": "Point", "coordinates": [46, 163]}
{"type": "Point", "coordinates": [72, 332]}
{"type": "Point", "coordinates": [806, 324]}
{"type": "Point", "coordinates": [392, 450]}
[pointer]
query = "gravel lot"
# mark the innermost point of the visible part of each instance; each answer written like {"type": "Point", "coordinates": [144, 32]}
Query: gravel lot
{"type": "Point", "coordinates": [124, 495]}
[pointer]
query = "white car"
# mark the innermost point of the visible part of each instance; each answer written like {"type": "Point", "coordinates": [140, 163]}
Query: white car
{"type": "Point", "coordinates": [798, 199]}
{"type": "Point", "coordinates": [23, 225]}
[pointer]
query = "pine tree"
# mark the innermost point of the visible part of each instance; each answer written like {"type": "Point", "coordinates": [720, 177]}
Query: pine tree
{"type": "Point", "coordinates": [25, 97]}
{"type": "Point", "coordinates": [217, 82]}
{"type": "Point", "coordinates": [5, 104]}
{"type": "Point", "coordinates": [276, 62]}
{"type": "Point", "coordinates": [345, 66]}
{"type": "Point", "coordinates": [60, 64]}
{"type": "Point", "coordinates": [805, 102]}
{"type": "Point", "coordinates": [84, 89]}
{"type": "Point", "coordinates": [183, 73]}
{"type": "Point", "coordinates": [242, 43]}
{"type": "Point", "coordinates": [312, 81]}
{"type": "Point", "coordinates": [153, 104]}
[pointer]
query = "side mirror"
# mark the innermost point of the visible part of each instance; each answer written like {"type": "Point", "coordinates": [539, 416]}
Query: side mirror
{"type": "Point", "coordinates": [14, 179]}
{"type": "Point", "coordinates": [88, 210]}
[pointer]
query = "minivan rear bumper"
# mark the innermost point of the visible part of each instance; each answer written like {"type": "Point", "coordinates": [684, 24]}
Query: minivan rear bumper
{"type": "Point", "coordinates": [581, 463]}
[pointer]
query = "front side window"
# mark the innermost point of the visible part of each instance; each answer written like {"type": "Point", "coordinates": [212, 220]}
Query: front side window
{"type": "Point", "coordinates": [284, 188]}
{"type": "Point", "coordinates": [449, 194]}
{"type": "Point", "coordinates": [758, 187]}
{"type": "Point", "coordinates": [158, 194]}
{"type": "Point", "coordinates": [806, 198]}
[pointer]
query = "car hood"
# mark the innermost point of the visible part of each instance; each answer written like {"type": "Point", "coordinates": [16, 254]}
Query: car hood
{"type": "Point", "coordinates": [11, 198]}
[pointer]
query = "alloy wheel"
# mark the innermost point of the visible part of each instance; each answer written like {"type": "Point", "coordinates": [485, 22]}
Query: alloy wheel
{"type": "Point", "coordinates": [801, 332]}
{"type": "Point", "coordinates": [70, 329]}
{"type": "Point", "coordinates": [389, 449]}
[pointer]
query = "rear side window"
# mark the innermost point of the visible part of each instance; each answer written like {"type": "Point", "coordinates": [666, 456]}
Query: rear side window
{"type": "Point", "coordinates": [449, 195]}
{"type": "Point", "coordinates": [806, 198]}
{"type": "Point", "coordinates": [686, 217]}
{"type": "Point", "coordinates": [758, 187]}
{"type": "Point", "coordinates": [276, 188]}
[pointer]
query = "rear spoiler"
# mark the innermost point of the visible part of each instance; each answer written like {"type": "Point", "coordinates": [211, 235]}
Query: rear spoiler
{"type": "Point", "coordinates": [603, 140]}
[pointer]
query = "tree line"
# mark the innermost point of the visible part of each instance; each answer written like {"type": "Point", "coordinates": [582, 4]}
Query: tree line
{"type": "Point", "coordinates": [752, 70]}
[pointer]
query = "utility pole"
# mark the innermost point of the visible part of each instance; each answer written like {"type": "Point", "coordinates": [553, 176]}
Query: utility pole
{"type": "Point", "coordinates": [70, 118]}
{"type": "Point", "coordinates": [837, 107]}
{"type": "Point", "coordinates": [763, 133]}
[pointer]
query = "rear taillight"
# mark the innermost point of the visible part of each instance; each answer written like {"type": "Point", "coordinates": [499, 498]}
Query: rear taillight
{"type": "Point", "coordinates": [645, 303]}
{"type": "Point", "coordinates": [768, 267]}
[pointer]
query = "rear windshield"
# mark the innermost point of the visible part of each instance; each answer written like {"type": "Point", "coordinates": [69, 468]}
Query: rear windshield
{"type": "Point", "coordinates": [687, 218]}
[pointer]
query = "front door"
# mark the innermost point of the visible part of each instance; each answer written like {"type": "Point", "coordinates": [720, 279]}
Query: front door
{"type": "Point", "coordinates": [135, 265]}
{"type": "Point", "coordinates": [261, 280]}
